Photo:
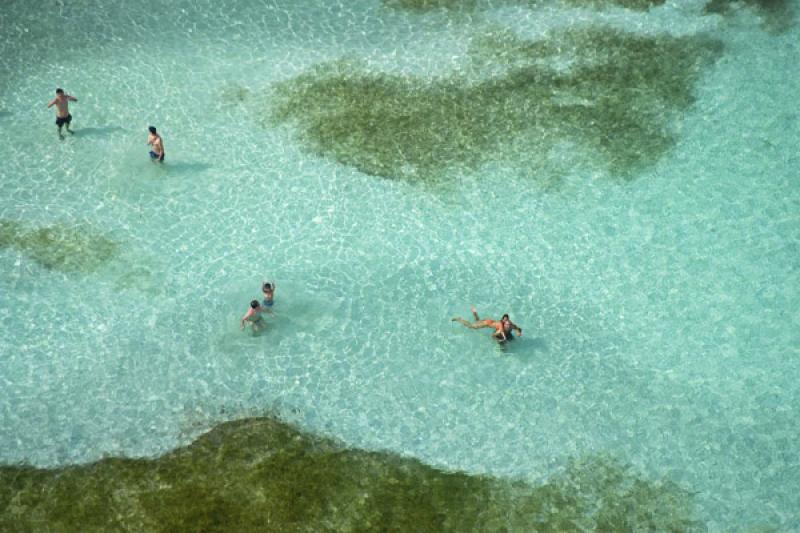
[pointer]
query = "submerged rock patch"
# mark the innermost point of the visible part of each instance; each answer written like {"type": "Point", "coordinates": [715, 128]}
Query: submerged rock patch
{"type": "Point", "coordinates": [58, 246]}
{"type": "Point", "coordinates": [428, 5]}
{"type": "Point", "coordinates": [637, 5]}
{"type": "Point", "coordinates": [263, 475]}
{"type": "Point", "coordinates": [777, 15]}
{"type": "Point", "coordinates": [614, 93]}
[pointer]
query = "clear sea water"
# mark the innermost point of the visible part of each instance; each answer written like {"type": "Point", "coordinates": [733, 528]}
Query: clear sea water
{"type": "Point", "coordinates": [660, 313]}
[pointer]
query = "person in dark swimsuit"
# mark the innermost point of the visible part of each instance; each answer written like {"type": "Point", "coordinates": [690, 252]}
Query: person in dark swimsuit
{"type": "Point", "coordinates": [502, 328]}
{"type": "Point", "coordinates": [509, 327]}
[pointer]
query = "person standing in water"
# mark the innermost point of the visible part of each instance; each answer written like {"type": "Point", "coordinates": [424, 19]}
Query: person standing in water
{"type": "Point", "coordinates": [61, 101]}
{"type": "Point", "coordinates": [503, 328]}
{"type": "Point", "coordinates": [268, 289]}
{"type": "Point", "coordinates": [253, 315]}
{"type": "Point", "coordinates": [157, 143]}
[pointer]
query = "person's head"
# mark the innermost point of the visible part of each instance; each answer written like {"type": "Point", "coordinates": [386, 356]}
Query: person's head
{"type": "Point", "coordinates": [152, 129]}
{"type": "Point", "coordinates": [60, 91]}
{"type": "Point", "coordinates": [266, 287]}
{"type": "Point", "coordinates": [505, 318]}
{"type": "Point", "coordinates": [254, 304]}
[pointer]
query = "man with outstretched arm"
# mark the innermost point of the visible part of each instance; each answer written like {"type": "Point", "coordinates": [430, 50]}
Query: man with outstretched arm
{"type": "Point", "coordinates": [61, 101]}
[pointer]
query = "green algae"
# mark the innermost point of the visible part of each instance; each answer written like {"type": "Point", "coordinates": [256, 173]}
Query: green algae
{"type": "Point", "coordinates": [261, 474]}
{"type": "Point", "coordinates": [429, 5]}
{"type": "Point", "coordinates": [777, 15]}
{"type": "Point", "coordinates": [617, 99]}
{"type": "Point", "coordinates": [636, 5]}
{"type": "Point", "coordinates": [58, 246]}
{"type": "Point", "coordinates": [232, 94]}
{"type": "Point", "coordinates": [464, 5]}
{"type": "Point", "coordinates": [141, 278]}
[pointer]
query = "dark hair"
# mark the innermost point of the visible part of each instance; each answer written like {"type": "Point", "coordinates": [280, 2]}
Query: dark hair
{"type": "Point", "coordinates": [152, 129]}
{"type": "Point", "coordinates": [59, 91]}
{"type": "Point", "coordinates": [254, 304]}
{"type": "Point", "coordinates": [505, 316]}
{"type": "Point", "coordinates": [267, 287]}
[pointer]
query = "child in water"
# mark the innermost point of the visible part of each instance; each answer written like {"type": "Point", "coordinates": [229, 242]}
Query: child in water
{"type": "Point", "coordinates": [253, 315]}
{"type": "Point", "coordinates": [268, 289]}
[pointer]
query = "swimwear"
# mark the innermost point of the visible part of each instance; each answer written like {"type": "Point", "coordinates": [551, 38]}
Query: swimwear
{"type": "Point", "coordinates": [267, 303]}
{"type": "Point", "coordinates": [508, 338]}
{"type": "Point", "coordinates": [255, 320]}
{"type": "Point", "coordinates": [154, 155]}
{"type": "Point", "coordinates": [60, 121]}
{"type": "Point", "coordinates": [500, 340]}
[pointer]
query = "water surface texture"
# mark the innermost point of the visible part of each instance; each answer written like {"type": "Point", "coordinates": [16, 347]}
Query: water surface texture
{"type": "Point", "coordinates": [619, 176]}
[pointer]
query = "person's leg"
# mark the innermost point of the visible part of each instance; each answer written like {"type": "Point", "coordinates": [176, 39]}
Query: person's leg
{"type": "Point", "coordinates": [59, 125]}
{"type": "Point", "coordinates": [259, 325]}
{"type": "Point", "coordinates": [69, 119]}
{"type": "Point", "coordinates": [472, 325]}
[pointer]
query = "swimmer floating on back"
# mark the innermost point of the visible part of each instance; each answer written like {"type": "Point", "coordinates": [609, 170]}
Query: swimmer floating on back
{"type": "Point", "coordinates": [503, 328]}
{"type": "Point", "coordinates": [253, 315]}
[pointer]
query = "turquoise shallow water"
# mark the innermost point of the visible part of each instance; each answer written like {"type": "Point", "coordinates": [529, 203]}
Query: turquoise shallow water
{"type": "Point", "coordinates": [659, 312]}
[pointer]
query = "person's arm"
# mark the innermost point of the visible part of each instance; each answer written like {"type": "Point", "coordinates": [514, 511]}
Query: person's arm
{"type": "Point", "coordinates": [517, 329]}
{"type": "Point", "coordinates": [52, 103]}
{"type": "Point", "coordinates": [246, 316]}
{"type": "Point", "coordinates": [500, 335]}
{"type": "Point", "coordinates": [71, 98]}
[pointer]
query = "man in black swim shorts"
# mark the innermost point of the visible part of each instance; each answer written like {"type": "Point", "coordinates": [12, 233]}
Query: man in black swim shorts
{"type": "Point", "coordinates": [155, 140]}
{"type": "Point", "coordinates": [61, 101]}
